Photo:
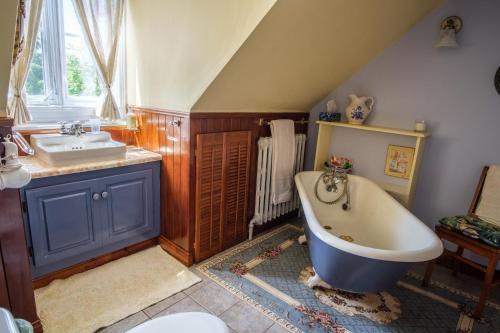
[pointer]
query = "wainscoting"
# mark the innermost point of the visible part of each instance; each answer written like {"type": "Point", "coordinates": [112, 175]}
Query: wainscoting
{"type": "Point", "coordinates": [167, 133]}
{"type": "Point", "coordinates": [173, 134]}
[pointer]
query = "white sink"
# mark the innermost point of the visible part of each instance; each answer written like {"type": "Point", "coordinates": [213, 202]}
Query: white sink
{"type": "Point", "coordinates": [63, 150]}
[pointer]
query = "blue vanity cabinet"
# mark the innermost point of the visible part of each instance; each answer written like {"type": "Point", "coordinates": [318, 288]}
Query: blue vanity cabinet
{"type": "Point", "coordinates": [73, 218]}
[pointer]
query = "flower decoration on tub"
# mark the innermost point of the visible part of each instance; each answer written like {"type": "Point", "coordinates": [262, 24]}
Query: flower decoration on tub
{"type": "Point", "coordinates": [342, 162]}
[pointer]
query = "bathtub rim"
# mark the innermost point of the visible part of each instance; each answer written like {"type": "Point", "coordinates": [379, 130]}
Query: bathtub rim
{"type": "Point", "coordinates": [433, 250]}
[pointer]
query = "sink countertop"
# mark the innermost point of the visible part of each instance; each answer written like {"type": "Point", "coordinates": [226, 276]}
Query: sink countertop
{"type": "Point", "coordinates": [134, 155]}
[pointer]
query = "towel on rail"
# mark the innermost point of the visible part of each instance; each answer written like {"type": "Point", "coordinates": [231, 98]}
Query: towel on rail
{"type": "Point", "coordinates": [283, 133]}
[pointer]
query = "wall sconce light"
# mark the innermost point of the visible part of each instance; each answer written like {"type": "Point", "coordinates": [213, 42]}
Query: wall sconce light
{"type": "Point", "coordinates": [450, 26]}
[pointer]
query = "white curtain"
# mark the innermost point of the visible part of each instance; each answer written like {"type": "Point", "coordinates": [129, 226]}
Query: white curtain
{"type": "Point", "coordinates": [27, 30]}
{"type": "Point", "coordinates": [101, 21]}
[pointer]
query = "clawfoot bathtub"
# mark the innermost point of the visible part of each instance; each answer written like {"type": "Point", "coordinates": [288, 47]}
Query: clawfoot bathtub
{"type": "Point", "coordinates": [368, 247]}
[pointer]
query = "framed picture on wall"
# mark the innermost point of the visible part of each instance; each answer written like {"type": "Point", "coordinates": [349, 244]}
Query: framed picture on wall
{"type": "Point", "coordinates": [399, 161]}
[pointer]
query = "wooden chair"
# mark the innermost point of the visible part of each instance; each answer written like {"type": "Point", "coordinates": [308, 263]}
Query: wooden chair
{"type": "Point", "coordinates": [466, 243]}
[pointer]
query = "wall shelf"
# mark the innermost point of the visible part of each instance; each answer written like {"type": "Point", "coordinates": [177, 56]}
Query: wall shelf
{"type": "Point", "coordinates": [388, 130]}
{"type": "Point", "coordinates": [403, 193]}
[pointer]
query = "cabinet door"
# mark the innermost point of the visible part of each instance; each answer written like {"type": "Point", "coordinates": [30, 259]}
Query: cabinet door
{"type": "Point", "coordinates": [128, 199]}
{"type": "Point", "coordinates": [63, 221]}
{"type": "Point", "coordinates": [222, 176]}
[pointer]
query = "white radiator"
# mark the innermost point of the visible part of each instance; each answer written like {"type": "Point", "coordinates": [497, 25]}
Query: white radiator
{"type": "Point", "coordinates": [265, 210]}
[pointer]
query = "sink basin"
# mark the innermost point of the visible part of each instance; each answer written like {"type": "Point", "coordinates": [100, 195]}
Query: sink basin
{"type": "Point", "coordinates": [63, 150]}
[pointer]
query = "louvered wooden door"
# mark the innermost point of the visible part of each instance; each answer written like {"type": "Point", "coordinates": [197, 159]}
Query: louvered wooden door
{"type": "Point", "coordinates": [222, 177]}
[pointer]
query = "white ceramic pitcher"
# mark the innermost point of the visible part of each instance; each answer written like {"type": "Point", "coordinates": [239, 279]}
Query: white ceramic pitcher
{"type": "Point", "coordinates": [359, 109]}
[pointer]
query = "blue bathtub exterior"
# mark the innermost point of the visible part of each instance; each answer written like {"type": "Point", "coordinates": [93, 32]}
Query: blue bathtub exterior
{"type": "Point", "coordinates": [350, 272]}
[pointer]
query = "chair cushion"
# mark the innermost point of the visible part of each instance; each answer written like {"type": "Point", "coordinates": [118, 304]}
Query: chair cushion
{"type": "Point", "coordinates": [474, 228]}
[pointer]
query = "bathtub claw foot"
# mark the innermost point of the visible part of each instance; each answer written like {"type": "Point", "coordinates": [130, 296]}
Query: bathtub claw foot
{"type": "Point", "coordinates": [302, 239]}
{"type": "Point", "coordinates": [315, 281]}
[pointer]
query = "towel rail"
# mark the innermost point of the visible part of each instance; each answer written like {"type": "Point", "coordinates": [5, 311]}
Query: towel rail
{"type": "Point", "coordinates": [263, 122]}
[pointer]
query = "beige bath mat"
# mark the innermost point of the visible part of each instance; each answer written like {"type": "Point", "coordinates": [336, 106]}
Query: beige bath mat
{"type": "Point", "coordinates": [102, 296]}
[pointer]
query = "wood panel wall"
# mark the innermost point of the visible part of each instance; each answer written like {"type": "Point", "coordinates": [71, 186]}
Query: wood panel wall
{"type": "Point", "coordinates": [177, 144]}
{"type": "Point", "coordinates": [167, 133]}
{"type": "Point", "coordinates": [14, 255]}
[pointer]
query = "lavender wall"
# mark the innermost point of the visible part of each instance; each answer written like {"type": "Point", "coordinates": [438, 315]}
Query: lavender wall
{"type": "Point", "coordinates": [452, 89]}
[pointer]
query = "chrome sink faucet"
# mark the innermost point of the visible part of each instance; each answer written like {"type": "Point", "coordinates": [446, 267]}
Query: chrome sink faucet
{"type": "Point", "coordinates": [75, 128]}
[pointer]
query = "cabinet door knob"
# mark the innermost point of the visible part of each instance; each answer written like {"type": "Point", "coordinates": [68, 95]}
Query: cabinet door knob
{"type": "Point", "coordinates": [104, 194]}
{"type": "Point", "coordinates": [96, 196]}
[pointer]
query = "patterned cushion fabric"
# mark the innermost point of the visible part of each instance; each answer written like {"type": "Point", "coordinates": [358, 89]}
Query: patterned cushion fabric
{"type": "Point", "coordinates": [474, 228]}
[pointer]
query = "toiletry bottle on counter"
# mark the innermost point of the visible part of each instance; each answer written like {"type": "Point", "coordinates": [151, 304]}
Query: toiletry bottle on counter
{"type": "Point", "coordinates": [95, 125]}
{"type": "Point", "coordinates": [131, 120]}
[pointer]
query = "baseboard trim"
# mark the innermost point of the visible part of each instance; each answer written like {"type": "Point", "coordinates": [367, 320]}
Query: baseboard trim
{"type": "Point", "coordinates": [93, 263]}
{"type": "Point", "coordinates": [176, 251]}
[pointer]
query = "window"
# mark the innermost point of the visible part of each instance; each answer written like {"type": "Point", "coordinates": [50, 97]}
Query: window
{"type": "Point", "coordinates": [63, 83]}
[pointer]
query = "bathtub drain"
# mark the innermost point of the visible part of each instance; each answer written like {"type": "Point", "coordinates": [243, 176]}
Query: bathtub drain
{"type": "Point", "coordinates": [346, 238]}
{"type": "Point", "coordinates": [327, 227]}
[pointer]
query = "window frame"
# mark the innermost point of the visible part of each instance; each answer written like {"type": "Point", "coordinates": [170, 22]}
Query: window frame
{"type": "Point", "coordinates": [56, 105]}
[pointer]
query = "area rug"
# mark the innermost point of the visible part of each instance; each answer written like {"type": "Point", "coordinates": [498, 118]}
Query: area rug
{"type": "Point", "coordinates": [102, 296]}
{"type": "Point", "coordinates": [270, 272]}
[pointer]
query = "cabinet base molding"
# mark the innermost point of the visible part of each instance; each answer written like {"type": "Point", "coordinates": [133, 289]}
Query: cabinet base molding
{"type": "Point", "coordinates": [93, 263]}
{"type": "Point", "coordinates": [37, 326]}
{"type": "Point", "coordinates": [176, 251]}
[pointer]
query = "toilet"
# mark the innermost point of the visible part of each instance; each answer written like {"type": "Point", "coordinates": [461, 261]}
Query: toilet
{"type": "Point", "coordinates": [186, 322]}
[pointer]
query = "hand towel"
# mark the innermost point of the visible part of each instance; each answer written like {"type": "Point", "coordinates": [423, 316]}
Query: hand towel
{"type": "Point", "coordinates": [488, 208]}
{"type": "Point", "coordinates": [283, 133]}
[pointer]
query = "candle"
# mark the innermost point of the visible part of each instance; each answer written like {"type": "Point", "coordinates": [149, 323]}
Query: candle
{"type": "Point", "coordinates": [420, 126]}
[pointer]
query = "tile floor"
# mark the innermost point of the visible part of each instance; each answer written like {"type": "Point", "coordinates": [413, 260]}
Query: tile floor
{"type": "Point", "coordinates": [207, 296]}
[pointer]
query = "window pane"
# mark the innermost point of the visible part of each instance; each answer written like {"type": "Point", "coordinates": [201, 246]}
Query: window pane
{"type": "Point", "coordinates": [81, 75]}
{"type": "Point", "coordinates": [35, 85]}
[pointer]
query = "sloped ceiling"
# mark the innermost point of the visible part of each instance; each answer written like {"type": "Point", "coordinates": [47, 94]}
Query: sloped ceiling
{"type": "Point", "coordinates": [303, 49]}
{"type": "Point", "coordinates": [175, 48]}
{"type": "Point", "coordinates": [8, 12]}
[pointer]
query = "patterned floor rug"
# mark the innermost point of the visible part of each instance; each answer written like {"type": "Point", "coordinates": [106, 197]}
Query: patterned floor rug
{"type": "Point", "coordinates": [270, 273]}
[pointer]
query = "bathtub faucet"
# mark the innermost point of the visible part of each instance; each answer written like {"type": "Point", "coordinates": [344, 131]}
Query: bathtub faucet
{"type": "Point", "coordinates": [334, 176]}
